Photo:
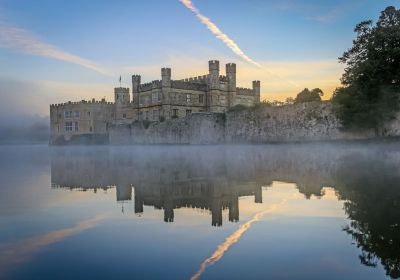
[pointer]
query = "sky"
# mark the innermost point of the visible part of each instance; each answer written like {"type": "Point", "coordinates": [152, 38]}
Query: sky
{"type": "Point", "coordinates": [53, 51]}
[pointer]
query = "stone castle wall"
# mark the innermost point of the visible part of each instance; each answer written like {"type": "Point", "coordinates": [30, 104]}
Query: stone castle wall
{"type": "Point", "coordinates": [290, 123]}
{"type": "Point", "coordinates": [307, 122]}
{"type": "Point", "coordinates": [197, 128]}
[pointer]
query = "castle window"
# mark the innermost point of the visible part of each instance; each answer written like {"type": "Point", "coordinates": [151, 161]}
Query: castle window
{"type": "Point", "coordinates": [76, 114]}
{"type": "Point", "coordinates": [124, 116]}
{"type": "Point", "coordinates": [68, 126]}
{"type": "Point", "coordinates": [156, 114]}
{"type": "Point", "coordinates": [188, 98]}
{"type": "Point", "coordinates": [76, 126]}
{"type": "Point", "coordinates": [88, 114]}
{"type": "Point", "coordinates": [154, 97]}
{"type": "Point", "coordinates": [201, 98]}
{"type": "Point", "coordinates": [67, 114]}
{"type": "Point", "coordinates": [188, 112]}
{"type": "Point", "coordinates": [147, 115]}
{"type": "Point", "coordinates": [91, 129]}
{"type": "Point", "coordinates": [174, 113]}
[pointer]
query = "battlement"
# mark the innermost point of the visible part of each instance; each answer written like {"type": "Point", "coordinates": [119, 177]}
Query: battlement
{"type": "Point", "coordinates": [150, 85]}
{"type": "Point", "coordinates": [121, 90]}
{"type": "Point", "coordinates": [223, 78]}
{"type": "Point", "coordinates": [82, 102]}
{"type": "Point", "coordinates": [213, 65]}
{"type": "Point", "coordinates": [190, 85]}
{"type": "Point", "coordinates": [198, 79]}
{"type": "Point", "coordinates": [244, 91]}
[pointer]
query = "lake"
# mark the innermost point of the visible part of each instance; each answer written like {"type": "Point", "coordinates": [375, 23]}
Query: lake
{"type": "Point", "coordinates": [306, 211]}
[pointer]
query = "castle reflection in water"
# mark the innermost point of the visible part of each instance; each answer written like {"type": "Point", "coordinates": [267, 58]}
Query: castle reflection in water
{"type": "Point", "coordinates": [170, 180]}
{"type": "Point", "coordinates": [365, 177]}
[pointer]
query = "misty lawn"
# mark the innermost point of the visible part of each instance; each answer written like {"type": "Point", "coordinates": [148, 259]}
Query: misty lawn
{"type": "Point", "coordinates": [200, 212]}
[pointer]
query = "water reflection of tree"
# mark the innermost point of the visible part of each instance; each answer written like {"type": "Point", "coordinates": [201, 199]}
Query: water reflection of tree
{"type": "Point", "coordinates": [371, 189]}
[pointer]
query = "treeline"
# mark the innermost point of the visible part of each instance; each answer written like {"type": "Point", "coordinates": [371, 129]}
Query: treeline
{"type": "Point", "coordinates": [26, 130]}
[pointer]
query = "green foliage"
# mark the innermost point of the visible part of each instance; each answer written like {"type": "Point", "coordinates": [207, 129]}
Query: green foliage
{"type": "Point", "coordinates": [237, 108]}
{"type": "Point", "coordinates": [371, 81]}
{"type": "Point", "coordinates": [241, 107]}
{"type": "Point", "coordinates": [372, 205]}
{"type": "Point", "coordinates": [261, 104]}
{"type": "Point", "coordinates": [307, 95]}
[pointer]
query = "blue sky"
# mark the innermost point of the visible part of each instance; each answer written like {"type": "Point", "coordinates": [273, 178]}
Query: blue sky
{"type": "Point", "coordinates": [295, 42]}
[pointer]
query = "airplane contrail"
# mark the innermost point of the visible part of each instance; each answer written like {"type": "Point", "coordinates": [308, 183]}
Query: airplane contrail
{"type": "Point", "coordinates": [232, 239]}
{"type": "Point", "coordinates": [21, 251]}
{"type": "Point", "coordinates": [228, 41]}
{"type": "Point", "coordinates": [218, 33]}
{"type": "Point", "coordinates": [22, 40]}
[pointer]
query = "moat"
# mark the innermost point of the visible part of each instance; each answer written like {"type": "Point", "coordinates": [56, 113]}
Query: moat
{"type": "Point", "coordinates": [306, 211]}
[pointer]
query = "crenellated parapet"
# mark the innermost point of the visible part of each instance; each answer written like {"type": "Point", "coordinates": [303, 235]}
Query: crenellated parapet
{"type": "Point", "coordinates": [198, 79]}
{"type": "Point", "coordinates": [149, 86]}
{"type": "Point", "coordinates": [188, 85]}
{"type": "Point", "coordinates": [223, 78]}
{"type": "Point", "coordinates": [82, 102]}
{"type": "Point", "coordinates": [244, 91]}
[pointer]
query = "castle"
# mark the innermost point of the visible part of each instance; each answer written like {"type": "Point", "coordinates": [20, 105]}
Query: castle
{"type": "Point", "coordinates": [156, 101]}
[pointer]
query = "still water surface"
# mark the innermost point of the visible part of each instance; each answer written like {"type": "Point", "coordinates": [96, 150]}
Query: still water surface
{"type": "Point", "coordinates": [200, 212]}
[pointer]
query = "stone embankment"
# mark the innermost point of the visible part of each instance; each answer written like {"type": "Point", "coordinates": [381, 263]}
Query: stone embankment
{"type": "Point", "coordinates": [306, 122]}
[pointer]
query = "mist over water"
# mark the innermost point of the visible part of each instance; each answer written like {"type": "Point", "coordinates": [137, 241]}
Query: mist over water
{"type": "Point", "coordinates": [312, 211]}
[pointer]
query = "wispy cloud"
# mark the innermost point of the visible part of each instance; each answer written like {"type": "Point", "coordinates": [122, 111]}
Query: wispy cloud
{"type": "Point", "coordinates": [218, 33]}
{"type": "Point", "coordinates": [327, 17]}
{"type": "Point", "coordinates": [22, 40]}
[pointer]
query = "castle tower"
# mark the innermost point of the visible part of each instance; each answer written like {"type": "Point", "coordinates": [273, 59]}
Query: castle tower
{"type": "Point", "coordinates": [138, 202]}
{"type": "Point", "coordinates": [216, 212]}
{"type": "Point", "coordinates": [136, 93]}
{"type": "Point", "coordinates": [136, 89]}
{"type": "Point", "coordinates": [213, 83]}
{"type": "Point", "coordinates": [231, 77]}
{"type": "Point", "coordinates": [166, 77]}
{"type": "Point", "coordinates": [234, 209]}
{"type": "Point", "coordinates": [121, 96]}
{"type": "Point", "coordinates": [168, 211]}
{"type": "Point", "coordinates": [258, 195]}
{"type": "Point", "coordinates": [213, 69]}
{"type": "Point", "coordinates": [256, 91]}
{"type": "Point", "coordinates": [165, 91]}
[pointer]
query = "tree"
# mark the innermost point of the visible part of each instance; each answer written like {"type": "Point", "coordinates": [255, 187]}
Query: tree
{"type": "Point", "coordinates": [289, 100]}
{"type": "Point", "coordinates": [307, 95]}
{"type": "Point", "coordinates": [370, 90]}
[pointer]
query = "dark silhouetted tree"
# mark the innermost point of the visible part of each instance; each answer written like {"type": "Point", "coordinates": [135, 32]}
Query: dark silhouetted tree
{"type": "Point", "coordinates": [307, 95]}
{"type": "Point", "coordinates": [371, 81]}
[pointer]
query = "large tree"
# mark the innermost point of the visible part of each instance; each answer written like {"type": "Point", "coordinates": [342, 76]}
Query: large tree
{"type": "Point", "coordinates": [370, 90]}
{"type": "Point", "coordinates": [307, 95]}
